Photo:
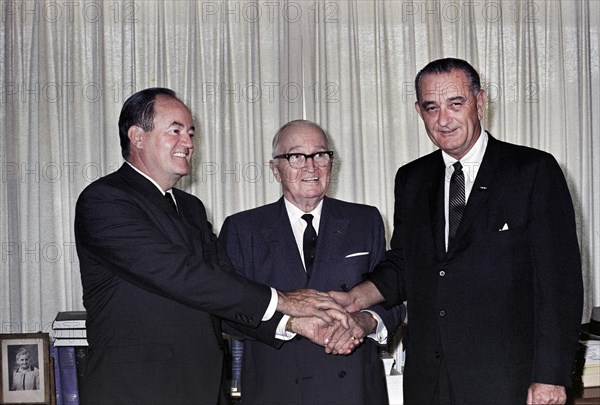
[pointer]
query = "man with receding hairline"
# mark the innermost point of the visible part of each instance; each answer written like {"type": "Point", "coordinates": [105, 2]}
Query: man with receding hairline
{"type": "Point", "coordinates": [268, 244]}
{"type": "Point", "coordinates": [485, 252]}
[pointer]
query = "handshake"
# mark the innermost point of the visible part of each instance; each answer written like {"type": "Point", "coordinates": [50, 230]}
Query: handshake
{"type": "Point", "coordinates": [332, 320]}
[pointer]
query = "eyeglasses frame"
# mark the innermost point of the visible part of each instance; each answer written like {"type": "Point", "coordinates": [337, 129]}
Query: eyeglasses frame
{"type": "Point", "coordinates": [287, 156]}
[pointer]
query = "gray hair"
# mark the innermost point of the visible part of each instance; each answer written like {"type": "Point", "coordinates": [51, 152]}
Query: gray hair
{"type": "Point", "coordinates": [277, 137]}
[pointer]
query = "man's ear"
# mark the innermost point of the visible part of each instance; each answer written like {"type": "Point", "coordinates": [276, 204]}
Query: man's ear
{"type": "Point", "coordinates": [275, 170]}
{"type": "Point", "coordinates": [135, 135]}
{"type": "Point", "coordinates": [418, 108]}
{"type": "Point", "coordinates": [481, 98]}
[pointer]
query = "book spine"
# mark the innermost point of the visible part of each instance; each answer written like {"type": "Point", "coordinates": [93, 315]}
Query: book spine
{"type": "Point", "coordinates": [70, 342]}
{"type": "Point", "coordinates": [80, 359]}
{"type": "Point", "coordinates": [68, 375]}
{"type": "Point", "coordinates": [237, 352]}
{"type": "Point", "coordinates": [70, 333]}
{"type": "Point", "coordinates": [57, 379]}
{"type": "Point", "coordinates": [74, 324]}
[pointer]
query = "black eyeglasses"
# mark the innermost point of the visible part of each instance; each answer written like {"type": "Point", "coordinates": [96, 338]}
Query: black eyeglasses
{"type": "Point", "coordinates": [298, 160]}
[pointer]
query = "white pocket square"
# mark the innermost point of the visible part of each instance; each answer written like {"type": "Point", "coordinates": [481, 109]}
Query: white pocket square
{"type": "Point", "coordinates": [357, 254]}
{"type": "Point", "coordinates": [504, 228]}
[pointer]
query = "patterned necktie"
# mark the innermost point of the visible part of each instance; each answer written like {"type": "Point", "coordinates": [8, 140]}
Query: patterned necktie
{"type": "Point", "coordinates": [457, 200]}
{"type": "Point", "coordinates": [309, 243]}
{"type": "Point", "coordinates": [169, 198]}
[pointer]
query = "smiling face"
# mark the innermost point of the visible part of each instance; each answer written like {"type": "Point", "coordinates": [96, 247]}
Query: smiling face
{"type": "Point", "coordinates": [23, 361]}
{"type": "Point", "coordinates": [164, 153]}
{"type": "Point", "coordinates": [304, 187]}
{"type": "Point", "coordinates": [450, 111]}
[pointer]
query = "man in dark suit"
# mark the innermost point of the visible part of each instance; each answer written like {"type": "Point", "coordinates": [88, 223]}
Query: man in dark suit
{"type": "Point", "coordinates": [154, 275]}
{"type": "Point", "coordinates": [267, 244]}
{"type": "Point", "coordinates": [494, 300]}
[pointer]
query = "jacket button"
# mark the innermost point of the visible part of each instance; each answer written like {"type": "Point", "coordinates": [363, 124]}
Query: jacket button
{"type": "Point", "coordinates": [342, 374]}
{"type": "Point", "coordinates": [442, 313]}
{"type": "Point", "coordinates": [442, 273]}
{"type": "Point", "coordinates": [437, 355]}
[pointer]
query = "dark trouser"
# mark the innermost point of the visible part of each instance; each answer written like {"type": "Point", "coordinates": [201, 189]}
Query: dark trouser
{"type": "Point", "coordinates": [442, 394]}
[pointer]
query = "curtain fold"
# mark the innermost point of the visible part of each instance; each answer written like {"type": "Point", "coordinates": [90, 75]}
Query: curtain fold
{"type": "Point", "coordinates": [246, 68]}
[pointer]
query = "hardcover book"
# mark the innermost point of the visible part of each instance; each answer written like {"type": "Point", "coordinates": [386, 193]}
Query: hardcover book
{"type": "Point", "coordinates": [70, 333]}
{"type": "Point", "coordinates": [57, 382]}
{"type": "Point", "coordinates": [68, 375]}
{"type": "Point", "coordinates": [70, 320]}
{"type": "Point", "coordinates": [70, 342]}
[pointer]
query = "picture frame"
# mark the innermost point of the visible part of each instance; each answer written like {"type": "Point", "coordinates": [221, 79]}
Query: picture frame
{"type": "Point", "coordinates": [25, 368]}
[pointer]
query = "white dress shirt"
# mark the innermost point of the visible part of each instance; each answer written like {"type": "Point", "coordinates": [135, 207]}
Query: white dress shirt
{"type": "Point", "coordinates": [471, 163]}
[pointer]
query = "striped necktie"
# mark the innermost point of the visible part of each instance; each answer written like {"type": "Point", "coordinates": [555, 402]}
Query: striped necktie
{"type": "Point", "coordinates": [457, 200]}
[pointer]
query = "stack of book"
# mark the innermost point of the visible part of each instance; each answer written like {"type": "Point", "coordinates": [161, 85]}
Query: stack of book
{"type": "Point", "coordinates": [590, 376]}
{"type": "Point", "coordinates": [587, 375]}
{"type": "Point", "coordinates": [69, 329]}
{"type": "Point", "coordinates": [68, 351]}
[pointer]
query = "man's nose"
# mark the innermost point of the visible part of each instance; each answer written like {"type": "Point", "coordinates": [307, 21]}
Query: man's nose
{"type": "Point", "coordinates": [186, 140]}
{"type": "Point", "coordinates": [310, 163]}
{"type": "Point", "coordinates": [443, 117]}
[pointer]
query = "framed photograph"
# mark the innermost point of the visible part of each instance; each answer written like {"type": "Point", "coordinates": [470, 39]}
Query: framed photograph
{"type": "Point", "coordinates": [25, 368]}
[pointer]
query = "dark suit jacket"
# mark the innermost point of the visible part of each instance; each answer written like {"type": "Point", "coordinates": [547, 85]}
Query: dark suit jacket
{"type": "Point", "coordinates": [501, 308]}
{"type": "Point", "coordinates": [152, 282]}
{"type": "Point", "coordinates": [261, 245]}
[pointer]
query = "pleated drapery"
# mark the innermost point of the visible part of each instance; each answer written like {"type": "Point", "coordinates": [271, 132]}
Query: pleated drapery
{"type": "Point", "coordinates": [245, 68]}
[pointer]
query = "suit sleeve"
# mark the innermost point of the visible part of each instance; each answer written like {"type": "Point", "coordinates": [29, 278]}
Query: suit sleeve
{"type": "Point", "coordinates": [230, 238]}
{"type": "Point", "coordinates": [119, 233]}
{"type": "Point", "coordinates": [388, 275]}
{"type": "Point", "coordinates": [392, 316]}
{"type": "Point", "coordinates": [558, 287]}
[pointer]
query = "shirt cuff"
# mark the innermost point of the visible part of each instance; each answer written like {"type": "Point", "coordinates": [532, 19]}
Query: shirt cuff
{"type": "Point", "coordinates": [381, 333]}
{"type": "Point", "coordinates": [281, 333]}
{"type": "Point", "coordinates": [272, 306]}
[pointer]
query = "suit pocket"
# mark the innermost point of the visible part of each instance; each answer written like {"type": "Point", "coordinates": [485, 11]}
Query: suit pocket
{"type": "Point", "coordinates": [359, 261]}
{"type": "Point", "coordinates": [357, 254]}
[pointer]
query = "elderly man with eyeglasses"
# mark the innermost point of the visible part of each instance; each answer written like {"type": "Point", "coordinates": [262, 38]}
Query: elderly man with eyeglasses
{"type": "Point", "coordinates": [308, 240]}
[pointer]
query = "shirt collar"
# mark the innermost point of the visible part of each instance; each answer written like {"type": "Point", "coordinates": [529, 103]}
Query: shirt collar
{"type": "Point", "coordinates": [295, 213]}
{"type": "Point", "coordinates": [163, 192]}
{"type": "Point", "coordinates": [474, 156]}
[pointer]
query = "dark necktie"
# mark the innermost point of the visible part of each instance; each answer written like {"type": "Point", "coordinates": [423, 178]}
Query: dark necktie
{"type": "Point", "coordinates": [309, 243]}
{"type": "Point", "coordinates": [457, 200]}
{"type": "Point", "coordinates": [169, 198]}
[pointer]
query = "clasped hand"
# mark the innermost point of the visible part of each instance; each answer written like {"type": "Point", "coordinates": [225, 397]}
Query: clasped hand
{"type": "Point", "coordinates": [319, 318]}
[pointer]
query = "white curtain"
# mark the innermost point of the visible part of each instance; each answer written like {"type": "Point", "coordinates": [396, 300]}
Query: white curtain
{"type": "Point", "coordinates": [247, 67]}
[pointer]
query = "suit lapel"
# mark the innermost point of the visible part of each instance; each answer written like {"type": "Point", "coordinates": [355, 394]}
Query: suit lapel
{"type": "Point", "coordinates": [153, 195]}
{"type": "Point", "coordinates": [482, 188]}
{"type": "Point", "coordinates": [332, 231]}
{"type": "Point", "coordinates": [436, 205]}
{"type": "Point", "coordinates": [188, 224]}
{"type": "Point", "coordinates": [279, 238]}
